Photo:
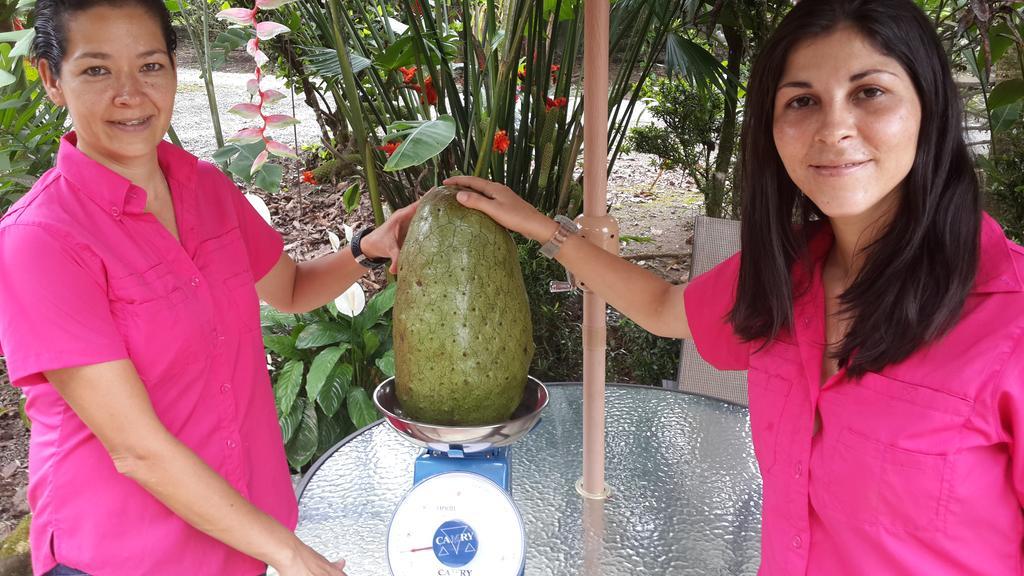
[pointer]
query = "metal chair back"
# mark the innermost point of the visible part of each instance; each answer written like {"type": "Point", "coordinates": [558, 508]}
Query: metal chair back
{"type": "Point", "coordinates": [714, 240]}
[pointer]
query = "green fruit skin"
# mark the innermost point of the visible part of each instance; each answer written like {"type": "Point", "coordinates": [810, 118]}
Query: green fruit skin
{"type": "Point", "coordinates": [463, 338]}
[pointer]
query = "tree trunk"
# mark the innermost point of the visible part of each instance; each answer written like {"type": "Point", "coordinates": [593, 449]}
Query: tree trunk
{"type": "Point", "coordinates": [727, 137]}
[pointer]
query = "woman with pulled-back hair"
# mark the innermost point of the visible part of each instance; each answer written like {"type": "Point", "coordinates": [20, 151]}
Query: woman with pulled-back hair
{"type": "Point", "coordinates": [130, 280]}
{"type": "Point", "coordinates": [879, 311]}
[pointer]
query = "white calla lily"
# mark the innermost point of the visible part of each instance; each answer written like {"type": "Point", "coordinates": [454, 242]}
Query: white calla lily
{"type": "Point", "coordinates": [260, 206]}
{"type": "Point", "coordinates": [335, 241]}
{"type": "Point", "coordinates": [352, 301]}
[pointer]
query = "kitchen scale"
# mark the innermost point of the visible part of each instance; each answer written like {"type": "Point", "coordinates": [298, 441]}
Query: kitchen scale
{"type": "Point", "coordinates": [458, 519]}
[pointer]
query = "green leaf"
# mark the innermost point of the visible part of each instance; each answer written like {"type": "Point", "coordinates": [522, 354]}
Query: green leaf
{"type": "Point", "coordinates": [330, 430]}
{"type": "Point", "coordinates": [17, 35]}
{"type": "Point", "coordinates": [1000, 40]}
{"type": "Point", "coordinates": [301, 448]}
{"type": "Point", "coordinates": [324, 61]}
{"type": "Point", "coordinates": [269, 177]}
{"type": "Point", "coordinates": [1005, 117]}
{"type": "Point", "coordinates": [270, 316]}
{"type": "Point", "coordinates": [350, 199]}
{"type": "Point", "coordinates": [290, 421]}
{"type": "Point", "coordinates": [1006, 93]}
{"type": "Point", "coordinates": [287, 386]}
{"type": "Point", "coordinates": [226, 42]}
{"type": "Point", "coordinates": [398, 54]}
{"type": "Point", "coordinates": [321, 368]}
{"type": "Point", "coordinates": [380, 304]}
{"type": "Point", "coordinates": [321, 334]}
{"type": "Point", "coordinates": [371, 342]}
{"type": "Point", "coordinates": [172, 6]}
{"type": "Point", "coordinates": [694, 62]}
{"type": "Point", "coordinates": [21, 49]}
{"type": "Point", "coordinates": [386, 363]}
{"type": "Point", "coordinates": [360, 408]}
{"type": "Point", "coordinates": [282, 345]}
{"type": "Point", "coordinates": [423, 141]}
{"type": "Point", "coordinates": [333, 393]}
{"type": "Point", "coordinates": [6, 78]}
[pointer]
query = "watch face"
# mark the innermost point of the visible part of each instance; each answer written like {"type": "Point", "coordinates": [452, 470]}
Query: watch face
{"type": "Point", "coordinates": [456, 524]}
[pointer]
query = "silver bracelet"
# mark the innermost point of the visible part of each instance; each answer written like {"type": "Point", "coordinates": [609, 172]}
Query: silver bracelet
{"type": "Point", "coordinates": [566, 228]}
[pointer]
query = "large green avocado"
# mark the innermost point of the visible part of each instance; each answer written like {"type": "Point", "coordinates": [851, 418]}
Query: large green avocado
{"type": "Point", "coordinates": [462, 331]}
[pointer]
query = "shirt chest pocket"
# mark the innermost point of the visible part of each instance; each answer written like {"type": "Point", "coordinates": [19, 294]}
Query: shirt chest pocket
{"type": "Point", "coordinates": [160, 321]}
{"type": "Point", "coordinates": [888, 459]}
{"type": "Point", "coordinates": [224, 262]}
{"type": "Point", "coordinates": [773, 371]}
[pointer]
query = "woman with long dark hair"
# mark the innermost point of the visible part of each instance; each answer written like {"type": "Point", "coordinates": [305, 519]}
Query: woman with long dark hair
{"type": "Point", "coordinates": [879, 312]}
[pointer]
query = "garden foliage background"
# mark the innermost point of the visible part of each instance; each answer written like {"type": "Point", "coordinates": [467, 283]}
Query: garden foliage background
{"type": "Point", "coordinates": [408, 92]}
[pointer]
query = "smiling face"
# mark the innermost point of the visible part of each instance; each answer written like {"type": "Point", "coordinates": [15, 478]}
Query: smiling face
{"type": "Point", "coordinates": [846, 122]}
{"type": "Point", "coordinates": [117, 81]}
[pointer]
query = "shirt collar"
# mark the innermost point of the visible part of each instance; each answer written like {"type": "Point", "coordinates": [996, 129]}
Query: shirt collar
{"type": "Point", "coordinates": [113, 192]}
{"type": "Point", "coordinates": [997, 269]}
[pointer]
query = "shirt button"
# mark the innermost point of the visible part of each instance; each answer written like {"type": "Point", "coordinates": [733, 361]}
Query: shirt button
{"type": "Point", "coordinates": [231, 444]}
{"type": "Point", "coordinates": [798, 470]}
{"type": "Point", "coordinates": [806, 321]}
{"type": "Point", "coordinates": [797, 542]}
{"type": "Point", "coordinates": [225, 388]}
{"type": "Point", "coordinates": [195, 280]}
{"type": "Point", "coordinates": [115, 211]}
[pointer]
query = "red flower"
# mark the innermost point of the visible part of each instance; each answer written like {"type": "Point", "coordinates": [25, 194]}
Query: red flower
{"type": "Point", "coordinates": [417, 8]}
{"type": "Point", "coordinates": [554, 76]}
{"type": "Point", "coordinates": [559, 102]}
{"type": "Point", "coordinates": [390, 147]}
{"type": "Point", "coordinates": [18, 25]}
{"type": "Point", "coordinates": [408, 74]}
{"type": "Point", "coordinates": [429, 94]}
{"type": "Point", "coordinates": [521, 74]}
{"type": "Point", "coordinates": [501, 141]}
{"type": "Point", "coordinates": [307, 177]}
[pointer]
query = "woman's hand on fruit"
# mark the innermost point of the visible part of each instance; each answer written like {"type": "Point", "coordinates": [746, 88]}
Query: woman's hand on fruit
{"type": "Point", "coordinates": [386, 241]}
{"type": "Point", "coordinates": [504, 206]}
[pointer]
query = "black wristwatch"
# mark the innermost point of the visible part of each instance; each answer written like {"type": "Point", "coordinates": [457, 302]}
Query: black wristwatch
{"type": "Point", "coordinates": [357, 251]}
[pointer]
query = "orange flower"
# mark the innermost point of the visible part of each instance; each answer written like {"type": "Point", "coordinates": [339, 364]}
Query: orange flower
{"type": "Point", "coordinates": [429, 94]}
{"type": "Point", "coordinates": [501, 141]}
{"type": "Point", "coordinates": [307, 177]}
{"type": "Point", "coordinates": [559, 102]}
{"type": "Point", "coordinates": [390, 147]}
{"type": "Point", "coordinates": [408, 74]}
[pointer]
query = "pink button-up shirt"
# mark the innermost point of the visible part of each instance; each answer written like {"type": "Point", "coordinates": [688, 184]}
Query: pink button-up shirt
{"type": "Point", "coordinates": [87, 277]}
{"type": "Point", "coordinates": [917, 470]}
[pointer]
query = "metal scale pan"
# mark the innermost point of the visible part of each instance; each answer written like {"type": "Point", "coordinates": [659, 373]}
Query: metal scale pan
{"type": "Point", "coordinates": [459, 517]}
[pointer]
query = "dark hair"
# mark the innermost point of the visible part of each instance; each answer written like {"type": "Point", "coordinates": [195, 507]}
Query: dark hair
{"type": "Point", "coordinates": [918, 272]}
{"type": "Point", "coordinates": [51, 17]}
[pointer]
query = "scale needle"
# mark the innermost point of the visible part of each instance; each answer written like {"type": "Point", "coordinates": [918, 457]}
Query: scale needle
{"type": "Point", "coordinates": [421, 549]}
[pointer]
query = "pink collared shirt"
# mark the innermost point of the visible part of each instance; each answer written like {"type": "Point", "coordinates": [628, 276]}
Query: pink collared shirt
{"type": "Point", "coordinates": [917, 470]}
{"type": "Point", "coordinates": [87, 277]}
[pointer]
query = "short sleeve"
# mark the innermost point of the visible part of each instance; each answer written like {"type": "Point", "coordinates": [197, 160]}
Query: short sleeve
{"type": "Point", "coordinates": [262, 242]}
{"type": "Point", "coordinates": [708, 300]}
{"type": "Point", "coordinates": [54, 309]}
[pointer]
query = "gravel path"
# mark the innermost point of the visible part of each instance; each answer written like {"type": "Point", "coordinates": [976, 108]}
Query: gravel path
{"type": "Point", "coordinates": [192, 121]}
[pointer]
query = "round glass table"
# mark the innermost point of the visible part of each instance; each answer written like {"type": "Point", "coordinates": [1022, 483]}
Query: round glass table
{"type": "Point", "coordinates": [686, 492]}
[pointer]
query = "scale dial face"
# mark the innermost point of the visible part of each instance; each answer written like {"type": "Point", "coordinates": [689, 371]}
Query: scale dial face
{"type": "Point", "coordinates": [456, 524]}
